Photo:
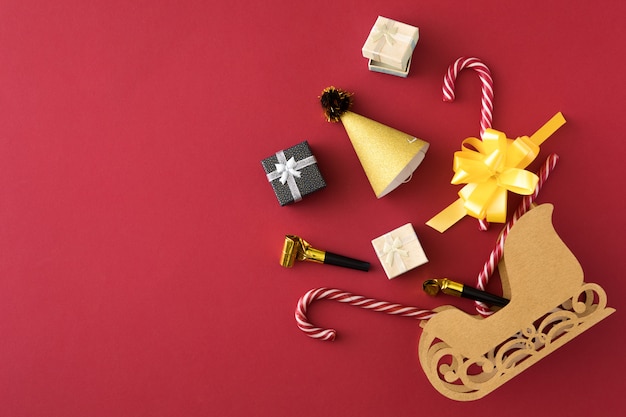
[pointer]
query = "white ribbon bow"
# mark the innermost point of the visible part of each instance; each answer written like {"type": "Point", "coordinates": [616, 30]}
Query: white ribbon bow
{"type": "Point", "coordinates": [393, 247]}
{"type": "Point", "coordinates": [386, 31]}
{"type": "Point", "coordinates": [287, 169]}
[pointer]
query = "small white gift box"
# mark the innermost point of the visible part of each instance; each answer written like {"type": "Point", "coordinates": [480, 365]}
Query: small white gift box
{"type": "Point", "coordinates": [399, 251]}
{"type": "Point", "coordinates": [391, 43]}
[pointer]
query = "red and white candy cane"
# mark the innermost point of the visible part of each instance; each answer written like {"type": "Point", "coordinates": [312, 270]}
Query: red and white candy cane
{"type": "Point", "coordinates": [486, 109]}
{"type": "Point", "coordinates": [496, 254]}
{"type": "Point", "coordinates": [351, 299]}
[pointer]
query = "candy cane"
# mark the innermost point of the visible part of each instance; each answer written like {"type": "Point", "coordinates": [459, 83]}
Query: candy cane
{"type": "Point", "coordinates": [486, 110]}
{"type": "Point", "coordinates": [496, 254]}
{"type": "Point", "coordinates": [351, 299]}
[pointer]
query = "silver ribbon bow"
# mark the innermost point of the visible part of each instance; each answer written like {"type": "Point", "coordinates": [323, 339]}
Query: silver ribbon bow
{"type": "Point", "coordinates": [286, 170]}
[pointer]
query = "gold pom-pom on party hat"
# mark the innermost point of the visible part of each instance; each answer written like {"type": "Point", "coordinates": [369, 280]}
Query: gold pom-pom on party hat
{"type": "Point", "coordinates": [388, 156]}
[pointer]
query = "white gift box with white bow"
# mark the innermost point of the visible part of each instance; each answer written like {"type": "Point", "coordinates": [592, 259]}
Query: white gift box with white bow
{"type": "Point", "coordinates": [399, 251]}
{"type": "Point", "coordinates": [391, 43]}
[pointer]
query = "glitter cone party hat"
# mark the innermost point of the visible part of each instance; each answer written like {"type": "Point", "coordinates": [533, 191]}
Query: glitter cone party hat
{"type": "Point", "coordinates": [388, 156]}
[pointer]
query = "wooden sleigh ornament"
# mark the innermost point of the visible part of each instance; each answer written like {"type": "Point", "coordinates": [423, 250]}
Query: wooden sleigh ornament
{"type": "Point", "coordinates": [465, 357]}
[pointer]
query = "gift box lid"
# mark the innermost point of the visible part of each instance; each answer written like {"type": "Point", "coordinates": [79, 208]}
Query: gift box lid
{"type": "Point", "coordinates": [391, 42]}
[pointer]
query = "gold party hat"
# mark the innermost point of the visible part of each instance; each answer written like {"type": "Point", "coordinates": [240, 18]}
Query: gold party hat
{"type": "Point", "coordinates": [388, 156]}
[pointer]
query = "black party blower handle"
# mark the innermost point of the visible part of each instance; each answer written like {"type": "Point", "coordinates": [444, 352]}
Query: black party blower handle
{"type": "Point", "coordinates": [338, 260]}
{"type": "Point", "coordinates": [485, 297]}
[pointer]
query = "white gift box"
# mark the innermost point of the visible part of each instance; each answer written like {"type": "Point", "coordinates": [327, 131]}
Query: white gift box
{"type": "Point", "coordinates": [388, 69]}
{"type": "Point", "coordinates": [399, 251]}
{"type": "Point", "coordinates": [391, 43]}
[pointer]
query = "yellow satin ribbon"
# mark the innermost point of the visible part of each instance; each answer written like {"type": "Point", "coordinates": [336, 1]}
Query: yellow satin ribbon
{"type": "Point", "coordinates": [491, 167]}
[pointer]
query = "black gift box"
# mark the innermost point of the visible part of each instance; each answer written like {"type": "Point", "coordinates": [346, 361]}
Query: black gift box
{"type": "Point", "coordinates": [293, 173]}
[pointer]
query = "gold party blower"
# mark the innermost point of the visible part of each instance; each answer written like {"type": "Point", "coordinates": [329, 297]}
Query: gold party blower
{"type": "Point", "coordinates": [296, 248]}
{"type": "Point", "coordinates": [447, 286]}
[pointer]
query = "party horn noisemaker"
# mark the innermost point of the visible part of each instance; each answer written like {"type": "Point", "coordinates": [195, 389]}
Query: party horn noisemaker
{"type": "Point", "coordinates": [446, 286]}
{"type": "Point", "coordinates": [296, 248]}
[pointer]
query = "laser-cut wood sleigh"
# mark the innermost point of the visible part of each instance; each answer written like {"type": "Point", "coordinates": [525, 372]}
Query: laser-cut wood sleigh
{"type": "Point", "coordinates": [466, 357]}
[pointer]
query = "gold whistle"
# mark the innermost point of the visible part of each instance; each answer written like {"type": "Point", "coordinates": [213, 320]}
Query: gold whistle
{"type": "Point", "coordinates": [446, 286]}
{"type": "Point", "coordinates": [296, 248]}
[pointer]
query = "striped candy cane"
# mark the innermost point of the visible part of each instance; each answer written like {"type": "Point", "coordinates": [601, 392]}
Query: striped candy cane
{"type": "Point", "coordinates": [486, 110]}
{"type": "Point", "coordinates": [496, 254]}
{"type": "Point", "coordinates": [351, 299]}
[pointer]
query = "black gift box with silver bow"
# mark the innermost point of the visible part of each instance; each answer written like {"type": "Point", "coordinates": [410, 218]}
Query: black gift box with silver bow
{"type": "Point", "coordinates": [293, 173]}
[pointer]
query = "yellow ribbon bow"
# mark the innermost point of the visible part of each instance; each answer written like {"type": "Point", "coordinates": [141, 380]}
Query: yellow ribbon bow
{"type": "Point", "coordinates": [490, 167]}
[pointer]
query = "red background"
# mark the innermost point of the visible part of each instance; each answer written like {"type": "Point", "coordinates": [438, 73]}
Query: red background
{"type": "Point", "coordinates": [139, 239]}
